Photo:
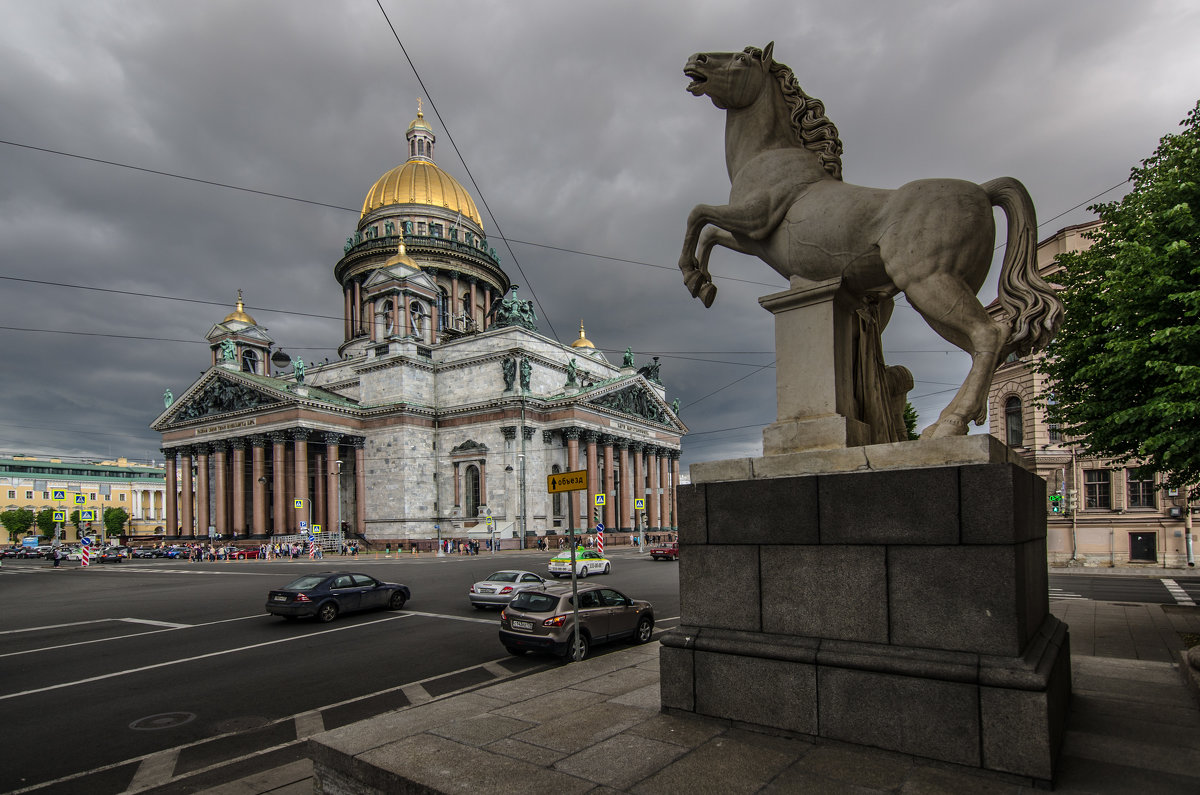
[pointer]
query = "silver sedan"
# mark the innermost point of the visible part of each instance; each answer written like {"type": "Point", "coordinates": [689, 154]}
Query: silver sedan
{"type": "Point", "coordinates": [501, 586]}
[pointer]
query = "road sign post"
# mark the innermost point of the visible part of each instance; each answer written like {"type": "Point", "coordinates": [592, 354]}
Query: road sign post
{"type": "Point", "coordinates": [571, 481]}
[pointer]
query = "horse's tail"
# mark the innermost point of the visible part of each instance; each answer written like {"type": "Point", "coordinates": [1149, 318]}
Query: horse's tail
{"type": "Point", "coordinates": [1033, 308]}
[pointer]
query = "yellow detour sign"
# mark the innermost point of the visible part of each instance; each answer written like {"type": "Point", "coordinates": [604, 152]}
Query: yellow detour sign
{"type": "Point", "coordinates": [567, 481]}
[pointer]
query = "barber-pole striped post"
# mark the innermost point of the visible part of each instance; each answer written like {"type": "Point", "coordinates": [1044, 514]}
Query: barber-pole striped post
{"type": "Point", "coordinates": [84, 554]}
{"type": "Point", "coordinates": [600, 538]}
{"type": "Point", "coordinates": [312, 548]}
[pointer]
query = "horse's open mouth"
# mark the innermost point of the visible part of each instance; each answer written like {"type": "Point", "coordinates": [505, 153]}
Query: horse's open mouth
{"type": "Point", "coordinates": [698, 80]}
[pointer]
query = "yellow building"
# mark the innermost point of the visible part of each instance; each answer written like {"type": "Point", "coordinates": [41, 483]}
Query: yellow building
{"type": "Point", "coordinates": [32, 484]}
{"type": "Point", "coordinates": [1100, 512]}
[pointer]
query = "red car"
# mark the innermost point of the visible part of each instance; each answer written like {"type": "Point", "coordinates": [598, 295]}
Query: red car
{"type": "Point", "coordinates": [244, 554]}
{"type": "Point", "coordinates": [666, 551]}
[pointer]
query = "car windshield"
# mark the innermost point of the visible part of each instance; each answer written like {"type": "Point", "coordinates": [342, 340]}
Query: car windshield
{"type": "Point", "coordinates": [503, 576]}
{"type": "Point", "coordinates": [305, 583]}
{"type": "Point", "coordinates": [534, 602]}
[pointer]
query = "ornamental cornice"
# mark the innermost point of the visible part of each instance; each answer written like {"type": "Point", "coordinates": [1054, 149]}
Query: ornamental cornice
{"type": "Point", "coordinates": [375, 365]}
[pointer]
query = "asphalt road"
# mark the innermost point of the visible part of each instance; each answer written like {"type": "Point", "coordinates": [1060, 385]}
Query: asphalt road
{"type": "Point", "coordinates": [1124, 588]}
{"type": "Point", "coordinates": [101, 667]}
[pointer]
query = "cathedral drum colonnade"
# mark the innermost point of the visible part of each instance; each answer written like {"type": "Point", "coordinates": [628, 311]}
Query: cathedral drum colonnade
{"type": "Point", "coordinates": [431, 401]}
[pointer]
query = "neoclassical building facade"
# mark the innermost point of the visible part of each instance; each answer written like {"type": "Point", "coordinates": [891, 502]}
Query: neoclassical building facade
{"type": "Point", "coordinates": [445, 412]}
{"type": "Point", "coordinates": [1121, 517]}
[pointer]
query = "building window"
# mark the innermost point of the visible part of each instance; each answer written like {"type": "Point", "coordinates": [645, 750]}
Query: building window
{"type": "Point", "coordinates": [1055, 433]}
{"type": "Point", "coordinates": [1140, 493]}
{"type": "Point", "coordinates": [1013, 422]}
{"type": "Point", "coordinates": [1097, 488]}
{"type": "Point", "coordinates": [45, 495]}
{"type": "Point", "coordinates": [471, 492]}
{"type": "Point", "coordinates": [29, 495]}
{"type": "Point", "coordinates": [249, 361]}
{"type": "Point", "coordinates": [435, 230]}
{"type": "Point", "coordinates": [92, 496]}
{"type": "Point", "coordinates": [121, 497]}
{"type": "Point", "coordinates": [443, 309]}
{"type": "Point", "coordinates": [557, 499]}
{"type": "Point", "coordinates": [12, 495]}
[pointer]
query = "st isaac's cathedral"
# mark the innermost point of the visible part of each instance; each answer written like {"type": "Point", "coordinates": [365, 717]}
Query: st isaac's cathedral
{"type": "Point", "coordinates": [444, 414]}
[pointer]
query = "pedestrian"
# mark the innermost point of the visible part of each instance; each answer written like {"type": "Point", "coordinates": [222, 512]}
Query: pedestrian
{"type": "Point", "coordinates": [387, 552]}
{"type": "Point", "coordinates": [57, 556]}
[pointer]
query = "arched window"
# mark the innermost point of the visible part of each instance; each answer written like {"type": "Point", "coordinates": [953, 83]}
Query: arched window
{"type": "Point", "coordinates": [557, 499]}
{"type": "Point", "coordinates": [249, 361]}
{"type": "Point", "coordinates": [1013, 422]}
{"type": "Point", "coordinates": [420, 146]}
{"type": "Point", "coordinates": [416, 314]}
{"type": "Point", "coordinates": [471, 492]}
{"type": "Point", "coordinates": [389, 325]}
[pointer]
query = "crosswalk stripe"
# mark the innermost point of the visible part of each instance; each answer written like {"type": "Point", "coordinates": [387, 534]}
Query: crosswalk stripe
{"type": "Point", "coordinates": [1180, 595]}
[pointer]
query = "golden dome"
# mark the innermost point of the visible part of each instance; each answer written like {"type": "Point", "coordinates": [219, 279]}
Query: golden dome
{"type": "Point", "coordinates": [239, 314]}
{"type": "Point", "coordinates": [583, 341]}
{"type": "Point", "coordinates": [421, 182]}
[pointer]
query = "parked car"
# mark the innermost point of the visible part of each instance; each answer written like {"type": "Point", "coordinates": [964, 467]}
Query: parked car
{"type": "Point", "coordinates": [499, 587]}
{"type": "Point", "coordinates": [243, 554]}
{"type": "Point", "coordinates": [10, 552]}
{"type": "Point", "coordinates": [543, 620]}
{"type": "Point", "coordinates": [665, 551]}
{"type": "Point", "coordinates": [587, 562]}
{"type": "Point", "coordinates": [144, 552]}
{"type": "Point", "coordinates": [110, 555]}
{"type": "Point", "coordinates": [327, 594]}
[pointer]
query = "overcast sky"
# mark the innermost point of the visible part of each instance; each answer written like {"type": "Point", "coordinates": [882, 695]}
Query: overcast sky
{"type": "Point", "coordinates": [573, 120]}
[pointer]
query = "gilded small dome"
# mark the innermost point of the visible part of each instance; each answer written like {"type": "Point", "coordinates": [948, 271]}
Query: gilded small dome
{"type": "Point", "coordinates": [401, 258]}
{"type": "Point", "coordinates": [421, 182]}
{"type": "Point", "coordinates": [239, 314]}
{"type": "Point", "coordinates": [583, 341]}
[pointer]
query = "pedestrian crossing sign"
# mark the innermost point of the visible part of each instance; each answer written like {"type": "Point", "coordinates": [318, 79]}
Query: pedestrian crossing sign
{"type": "Point", "coordinates": [599, 500]}
{"type": "Point", "coordinates": [59, 495]}
{"type": "Point", "coordinates": [60, 516]}
{"type": "Point", "coordinates": [80, 499]}
{"type": "Point", "coordinates": [87, 516]}
{"type": "Point", "coordinates": [298, 504]}
{"type": "Point", "coordinates": [640, 503]}
{"type": "Point", "coordinates": [316, 528]}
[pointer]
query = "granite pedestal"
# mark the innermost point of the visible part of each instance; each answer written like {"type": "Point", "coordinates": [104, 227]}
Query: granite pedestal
{"type": "Point", "coordinates": [904, 608]}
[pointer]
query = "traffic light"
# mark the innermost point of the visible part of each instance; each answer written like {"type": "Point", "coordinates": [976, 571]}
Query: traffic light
{"type": "Point", "coordinates": [1072, 500]}
{"type": "Point", "coordinates": [1056, 504]}
{"type": "Point", "coordinates": [596, 515]}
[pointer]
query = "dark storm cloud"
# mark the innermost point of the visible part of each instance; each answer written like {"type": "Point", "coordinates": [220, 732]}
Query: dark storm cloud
{"type": "Point", "coordinates": [573, 119]}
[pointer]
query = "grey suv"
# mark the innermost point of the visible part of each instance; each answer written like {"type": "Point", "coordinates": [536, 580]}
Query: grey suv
{"type": "Point", "coordinates": [542, 620]}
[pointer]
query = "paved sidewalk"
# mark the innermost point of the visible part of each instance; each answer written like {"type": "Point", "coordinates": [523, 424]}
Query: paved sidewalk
{"type": "Point", "coordinates": [595, 726]}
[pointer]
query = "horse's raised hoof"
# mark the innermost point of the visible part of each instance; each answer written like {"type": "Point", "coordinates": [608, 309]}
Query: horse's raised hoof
{"type": "Point", "coordinates": [708, 294]}
{"type": "Point", "coordinates": [692, 280]}
{"type": "Point", "coordinates": [943, 428]}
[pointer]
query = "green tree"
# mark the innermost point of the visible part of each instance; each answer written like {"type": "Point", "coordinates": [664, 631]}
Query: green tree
{"type": "Point", "coordinates": [114, 521]}
{"type": "Point", "coordinates": [45, 522]}
{"type": "Point", "coordinates": [74, 519]}
{"type": "Point", "coordinates": [17, 522]}
{"type": "Point", "coordinates": [910, 422]}
{"type": "Point", "coordinates": [1126, 363]}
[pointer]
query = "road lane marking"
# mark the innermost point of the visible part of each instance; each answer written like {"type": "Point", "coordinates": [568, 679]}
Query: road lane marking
{"type": "Point", "coordinates": [1181, 596]}
{"type": "Point", "coordinates": [193, 658]}
{"type": "Point", "coordinates": [122, 637]}
{"type": "Point", "coordinates": [493, 621]}
{"type": "Point", "coordinates": [155, 770]}
{"type": "Point", "coordinates": [309, 723]}
{"type": "Point", "coordinates": [416, 693]}
{"type": "Point", "coordinates": [53, 626]}
{"type": "Point", "coordinates": [166, 624]}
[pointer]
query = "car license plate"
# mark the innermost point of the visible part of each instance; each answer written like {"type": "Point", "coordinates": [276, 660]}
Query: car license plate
{"type": "Point", "coordinates": [279, 598]}
{"type": "Point", "coordinates": [525, 626]}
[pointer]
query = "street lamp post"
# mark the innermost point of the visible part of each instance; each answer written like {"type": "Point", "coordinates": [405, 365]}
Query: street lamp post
{"type": "Point", "coordinates": [338, 499]}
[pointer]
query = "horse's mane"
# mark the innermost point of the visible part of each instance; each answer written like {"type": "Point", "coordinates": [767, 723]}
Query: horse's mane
{"type": "Point", "coordinates": [813, 128]}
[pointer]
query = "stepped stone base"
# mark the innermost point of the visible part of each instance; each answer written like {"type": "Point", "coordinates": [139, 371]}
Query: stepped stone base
{"type": "Point", "coordinates": [905, 608]}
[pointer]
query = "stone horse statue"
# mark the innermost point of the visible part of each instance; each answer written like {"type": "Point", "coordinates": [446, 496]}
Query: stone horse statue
{"type": "Point", "coordinates": [931, 239]}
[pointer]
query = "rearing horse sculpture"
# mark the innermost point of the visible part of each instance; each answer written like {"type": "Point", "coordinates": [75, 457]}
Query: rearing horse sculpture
{"type": "Point", "coordinates": [931, 239]}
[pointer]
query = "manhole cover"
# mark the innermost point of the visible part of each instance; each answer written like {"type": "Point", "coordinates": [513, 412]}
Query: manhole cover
{"type": "Point", "coordinates": [240, 724]}
{"type": "Point", "coordinates": [164, 720]}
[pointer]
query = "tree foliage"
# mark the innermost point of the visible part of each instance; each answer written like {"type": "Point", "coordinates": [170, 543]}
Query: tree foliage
{"type": "Point", "coordinates": [1126, 363]}
{"type": "Point", "coordinates": [45, 522]}
{"type": "Point", "coordinates": [17, 522]}
{"type": "Point", "coordinates": [114, 521]}
{"type": "Point", "coordinates": [910, 422]}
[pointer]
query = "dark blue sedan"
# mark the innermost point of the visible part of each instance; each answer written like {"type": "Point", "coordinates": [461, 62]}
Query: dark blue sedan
{"type": "Point", "coordinates": [327, 594]}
